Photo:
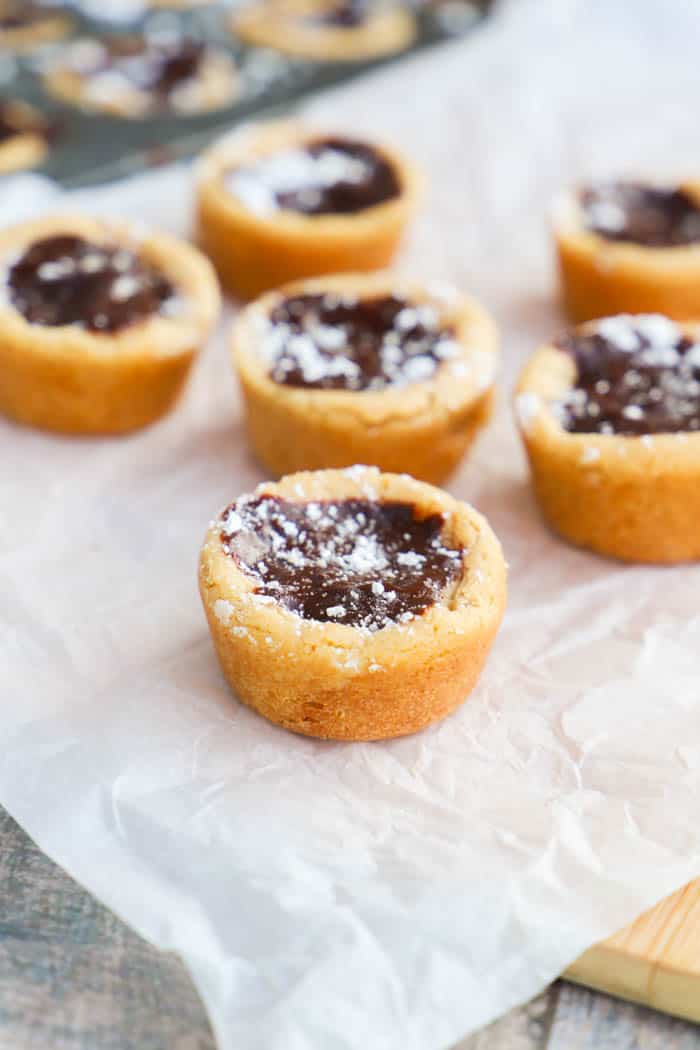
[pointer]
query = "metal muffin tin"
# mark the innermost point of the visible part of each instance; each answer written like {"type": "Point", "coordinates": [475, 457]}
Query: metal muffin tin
{"type": "Point", "coordinates": [89, 148]}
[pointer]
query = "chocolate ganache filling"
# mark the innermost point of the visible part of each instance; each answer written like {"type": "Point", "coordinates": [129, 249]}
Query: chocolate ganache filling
{"type": "Point", "coordinates": [635, 376]}
{"type": "Point", "coordinates": [358, 562]}
{"type": "Point", "coordinates": [64, 280]}
{"type": "Point", "coordinates": [333, 342]}
{"type": "Point", "coordinates": [648, 215]}
{"type": "Point", "coordinates": [330, 176]}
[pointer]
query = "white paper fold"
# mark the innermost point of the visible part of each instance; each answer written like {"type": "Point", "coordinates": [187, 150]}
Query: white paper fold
{"type": "Point", "coordinates": [374, 896]}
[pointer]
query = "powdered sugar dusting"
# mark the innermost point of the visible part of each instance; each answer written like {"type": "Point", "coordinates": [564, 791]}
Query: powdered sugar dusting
{"type": "Point", "coordinates": [358, 562]}
{"type": "Point", "coordinates": [636, 375]}
{"type": "Point", "coordinates": [348, 343]}
{"type": "Point", "coordinates": [223, 610]}
{"type": "Point", "coordinates": [293, 171]}
{"type": "Point", "coordinates": [590, 454]}
{"type": "Point", "coordinates": [326, 176]}
{"type": "Point", "coordinates": [527, 409]}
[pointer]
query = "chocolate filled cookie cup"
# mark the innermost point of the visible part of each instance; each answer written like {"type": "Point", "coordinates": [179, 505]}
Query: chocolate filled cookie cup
{"type": "Point", "coordinates": [99, 323]}
{"type": "Point", "coordinates": [352, 605]}
{"type": "Point", "coordinates": [610, 419]}
{"type": "Point", "coordinates": [279, 202]}
{"type": "Point", "coordinates": [365, 368]}
{"type": "Point", "coordinates": [327, 30]}
{"type": "Point", "coordinates": [629, 247]}
{"type": "Point", "coordinates": [26, 26]}
{"type": "Point", "coordinates": [133, 76]}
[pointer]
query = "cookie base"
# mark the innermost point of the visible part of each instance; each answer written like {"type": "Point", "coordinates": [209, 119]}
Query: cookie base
{"type": "Point", "coordinates": [639, 514]}
{"type": "Point", "coordinates": [250, 260]}
{"type": "Point", "coordinates": [600, 280]}
{"type": "Point", "coordinates": [88, 395]}
{"type": "Point", "coordinates": [400, 700]}
{"type": "Point", "coordinates": [428, 449]}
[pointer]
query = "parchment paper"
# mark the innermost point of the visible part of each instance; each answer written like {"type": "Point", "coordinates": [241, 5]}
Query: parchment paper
{"type": "Point", "coordinates": [393, 895]}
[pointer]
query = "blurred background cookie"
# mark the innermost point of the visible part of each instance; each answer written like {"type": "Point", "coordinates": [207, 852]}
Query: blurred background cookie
{"type": "Point", "coordinates": [139, 75]}
{"type": "Point", "coordinates": [327, 30]}
{"type": "Point", "coordinates": [28, 24]}
{"type": "Point", "coordinates": [282, 201]}
{"type": "Point", "coordinates": [365, 369]}
{"type": "Point", "coordinates": [25, 135]}
{"type": "Point", "coordinates": [610, 417]}
{"type": "Point", "coordinates": [630, 247]}
{"type": "Point", "coordinates": [99, 323]}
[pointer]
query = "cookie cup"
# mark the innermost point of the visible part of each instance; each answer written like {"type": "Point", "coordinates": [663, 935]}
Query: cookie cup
{"type": "Point", "coordinates": [26, 38]}
{"type": "Point", "coordinates": [215, 85]}
{"type": "Point", "coordinates": [336, 681]}
{"type": "Point", "coordinates": [632, 498]}
{"type": "Point", "coordinates": [601, 277]}
{"type": "Point", "coordinates": [281, 27]}
{"type": "Point", "coordinates": [253, 253]}
{"type": "Point", "coordinates": [67, 379]}
{"type": "Point", "coordinates": [423, 428]}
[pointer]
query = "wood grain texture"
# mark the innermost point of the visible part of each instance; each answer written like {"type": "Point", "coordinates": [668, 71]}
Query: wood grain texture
{"type": "Point", "coordinates": [586, 1020]}
{"type": "Point", "coordinates": [526, 1028]}
{"type": "Point", "coordinates": [655, 960]}
{"type": "Point", "coordinates": [74, 977]}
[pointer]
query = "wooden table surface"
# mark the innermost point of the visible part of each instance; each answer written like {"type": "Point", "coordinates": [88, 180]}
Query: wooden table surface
{"type": "Point", "coordinates": [73, 977]}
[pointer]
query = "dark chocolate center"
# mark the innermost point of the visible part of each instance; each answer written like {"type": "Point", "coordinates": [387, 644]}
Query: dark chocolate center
{"type": "Point", "coordinates": [647, 215]}
{"type": "Point", "coordinates": [356, 561]}
{"type": "Point", "coordinates": [65, 280]}
{"type": "Point", "coordinates": [635, 376]}
{"type": "Point", "coordinates": [330, 176]}
{"type": "Point", "coordinates": [331, 342]}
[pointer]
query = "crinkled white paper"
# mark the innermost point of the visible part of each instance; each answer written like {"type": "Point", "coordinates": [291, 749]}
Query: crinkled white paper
{"type": "Point", "coordinates": [386, 896]}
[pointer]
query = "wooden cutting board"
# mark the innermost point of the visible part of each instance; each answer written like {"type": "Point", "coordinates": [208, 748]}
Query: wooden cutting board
{"type": "Point", "coordinates": [655, 961]}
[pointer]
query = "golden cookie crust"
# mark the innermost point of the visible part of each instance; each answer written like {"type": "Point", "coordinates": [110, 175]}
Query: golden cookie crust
{"type": "Point", "coordinates": [70, 380]}
{"type": "Point", "coordinates": [280, 26]}
{"type": "Point", "coordinates": [632, 498]}
{"type": "Point", "coordinates": [335, 681]}
{"type": "Point", "coordinates": [216, 85]}
{"type": "Point", "coordinates": [254, 253]}
{"type": "Point", "coordinates": [423, 428]}
{"type": "Point", "coordinates": [601, 277]}
{"type": "Point", "coordinates": [28, 147]}
{"type": "Point", "coordinates": [22, 151]}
